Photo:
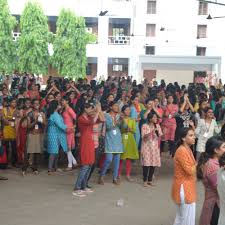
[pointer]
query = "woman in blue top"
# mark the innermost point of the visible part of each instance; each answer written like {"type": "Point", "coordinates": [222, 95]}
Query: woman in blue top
{"type": "Point", "coordinates": [113, 142]}
{"type": "Point", "coordinates": [135, 114]}
{"type": "Point", "coordinates": [56, 135]}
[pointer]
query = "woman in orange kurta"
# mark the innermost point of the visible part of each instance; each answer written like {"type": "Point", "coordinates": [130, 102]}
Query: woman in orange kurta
{"type": "Point", "coordinates": [184, 180]}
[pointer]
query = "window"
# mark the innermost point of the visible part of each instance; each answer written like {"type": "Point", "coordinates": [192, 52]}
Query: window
{"type": "Point", "coordinates": [52, 26]}
{"type": "Point", "coordinates": [201, 51]}
{"type": "Point", "coordinates": [151, 7]}
{"type": "Point", "coordinates": [89, 30]}
{"type": "Point", "coordinates": [117, 68]}
{"type": "Point", "coordinates": [150, 50]}
{"type": "Point", "coordinates": [203, 8]}
{"type": "Point", "coordinates": [118, 32]}
{"type": "Point", "coordinates": [201, 31]}
{"type": "Point", "coordinates": [150, 30]}
{"type": "Point", "coordinates": [89, 69]}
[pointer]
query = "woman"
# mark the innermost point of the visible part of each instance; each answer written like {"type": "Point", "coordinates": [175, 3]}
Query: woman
{"type": "Point", "coordinates": [58, 96]}
{"type": "Point", "coordinates": [169, 123]}
{"type": "Point", "coordinates": [185, 116]}
{"type": "Point", "coordinates": [56, 135]}
{"type": "Point", "coordinates": [184, 180]}
{"type": "Point", "coordinates": [135, 111]}
{"type": "Point", "coordinates": [206, 128]}
{"type": "Point", "coordinates": [207, 169]}
{"type": "Point", "coordinates": [87, 148]}
{"type": "Point", "coordinates": [69, 117]}
{"type": "Point", "coordinates": [113, 143]}
{"type": "Point", "coordinates": [128, 128]}
{"type": "Point", "coordinates": [221, 189]}
{"type": "Point", "coordinates": [150, 151]}
{"type": "Point", "coordinates": [203, 104]}
{"type": "Point", "coordinates": [36, 123]}
{"type": "Point", "coordinates": [33, 92]}
{"type": "Point", "coordinates": [9, 130]}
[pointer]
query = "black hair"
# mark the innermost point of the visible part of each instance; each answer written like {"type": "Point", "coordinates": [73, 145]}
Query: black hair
{"type": "Point", "coordinates": [34, 100]}
{"type": "Point", "coordinates": [150, 115]}
{"type": "Point", "coordinates": [53, 105]}
{"type": "Point", "coordinates": [222, 132]}
{"type": "Point", "coordinates": [124, 108]}
{"type": "Point", "coordinates": [207, 109]}
{"type": "Point", "coordinates": [149, 99]}
{"type": "Point", "coordinates": [56, 93]}
{"type": "Point", "coordinates": [182, 134]}
{"type": "Point", "coordinates": [222, 160]}
{"type": "Point", "coordinates": [211, 145]}
{"type": "Point", "coordinates": [84, 106]}
{"type": "Point", "coordinates": [112, 103]}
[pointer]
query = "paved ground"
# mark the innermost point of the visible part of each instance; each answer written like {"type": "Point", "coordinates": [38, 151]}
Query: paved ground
{"type": "Point", "coordinates": [48, 200]}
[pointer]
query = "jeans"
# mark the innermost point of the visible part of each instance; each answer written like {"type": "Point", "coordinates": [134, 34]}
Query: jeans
{"type": "Point", "coordinates": [13, 151]}
{"type": "Point", "coordinates": [53, 162]}
{"type": "Point", "coordinates": [82, 178]}
{"type": "Point", "coordinates": [116, 163]}
{"type": "Point", "coordinates": [97, 157]}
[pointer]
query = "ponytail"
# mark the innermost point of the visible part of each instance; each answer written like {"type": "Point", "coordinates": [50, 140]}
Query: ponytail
{"type": "Point", "coordinates": [204, 157]}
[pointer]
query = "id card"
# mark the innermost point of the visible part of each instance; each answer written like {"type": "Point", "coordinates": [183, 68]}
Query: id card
{"type": "Point", "coordinates": [126, 136]}
{"type": "Point", "coordinates": [170, 116]}
{"type": "Point", "coordinates": [12, 124]}
{"type": "Point", "coordinates": [114, 132]}
{"type": "Point", "coordinates": [36, 127]}
{"type": "Point", "coordinates": [206, 135]}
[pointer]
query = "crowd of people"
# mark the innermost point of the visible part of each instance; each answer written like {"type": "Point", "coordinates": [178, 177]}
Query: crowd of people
{"type": "Point", "coordinates": [120, 121]}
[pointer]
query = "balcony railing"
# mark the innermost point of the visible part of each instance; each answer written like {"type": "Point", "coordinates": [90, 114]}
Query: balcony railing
{"type": "Point", "coordinates": [16, 35]}
{"type": "Point", "coordinates": [119, 40]}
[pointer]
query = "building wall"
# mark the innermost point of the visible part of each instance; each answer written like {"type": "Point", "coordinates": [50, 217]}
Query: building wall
{"type": "Point", "coordinates": [179, 18]}
{"type": "Point", "coordinates": [170, 76]}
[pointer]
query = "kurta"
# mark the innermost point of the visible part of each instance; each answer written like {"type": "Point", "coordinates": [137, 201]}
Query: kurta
{"type": "Point", "coordinates": [87, 147]}
{"type": "Point", "coordinates": [69, 116]}
{"type": "Point", "coordinates": [134, 115]}
{"type": "Point", "coordinates": [200, 131]}
{"type": "Point", "coordinates": [184, 173]}
{"type": "Point", "coordinates": [150, 151]}
{"type": "Point", "coordinates": [169, 123]}
{"type": "Point", "coordinates": [113, 137]}
{"type": "Point", "coordinates": [211, 195]}
{"type": "Point", "coordinates": [9, 131]}
{"type": "Point", "coordinates": [129, 144]}
{"type": "Point", "coordinates": [221, 191]}
{"type": "Point", "coordinates": [56, 134]}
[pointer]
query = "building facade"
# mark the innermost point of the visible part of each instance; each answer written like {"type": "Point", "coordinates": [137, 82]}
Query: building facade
{"type": "Point", "coordinates": [161, 39]}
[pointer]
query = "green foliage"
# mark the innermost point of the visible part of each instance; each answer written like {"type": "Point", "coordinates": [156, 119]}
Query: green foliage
{"type": "Point", "coordinates": [69, 46]}
{"type": "Point", "coordinates": [7, 45]}
{"type": "Point", "coordinates": [33, 42]}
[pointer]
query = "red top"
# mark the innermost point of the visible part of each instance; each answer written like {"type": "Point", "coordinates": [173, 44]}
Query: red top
{"type": "Point", "coordinates": [87, 146]}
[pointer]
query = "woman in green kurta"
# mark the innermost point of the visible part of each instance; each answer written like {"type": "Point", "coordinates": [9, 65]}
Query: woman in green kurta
{"type": "Point", "coordinates": [128, 128]}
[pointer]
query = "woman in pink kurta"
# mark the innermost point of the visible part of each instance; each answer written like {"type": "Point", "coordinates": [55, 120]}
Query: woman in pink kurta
{"type": "Point", "coordinates": [150, 152]}
{"type": "Point", "coordinates": [169, 123]}
{"type": "Point", "coordinates": [69, 117]}
{"type": "Point", "coordinates": [208, 167]}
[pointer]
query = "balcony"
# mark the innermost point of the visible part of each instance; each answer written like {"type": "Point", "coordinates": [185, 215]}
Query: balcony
{"type": "Point", "coordinates": [119, 31]}
{"type": "Point", "coordinates": [16, 35]}
{"type": "Point", "coordinates": [119, 40]}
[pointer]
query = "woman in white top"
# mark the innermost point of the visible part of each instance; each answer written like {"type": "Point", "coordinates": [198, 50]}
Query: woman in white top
{"type": "Point", "coordinates": [206, 128]}
{"type": "Point", "coordinates": [221, 189]}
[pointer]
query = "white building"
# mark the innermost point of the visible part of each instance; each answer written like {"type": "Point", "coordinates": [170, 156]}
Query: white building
{"type": "Point", "coordinates": [166, 39]}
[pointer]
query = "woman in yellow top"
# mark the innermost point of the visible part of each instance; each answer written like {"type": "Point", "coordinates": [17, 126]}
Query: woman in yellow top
{"type": "Point", "coordinates": [9, 130]}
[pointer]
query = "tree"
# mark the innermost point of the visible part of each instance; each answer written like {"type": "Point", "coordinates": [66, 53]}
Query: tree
{"type": "Point", "coordinates": [33, 43]}
{"type": "Point", "coordinates": [7, 45]}
{"type": "Point", "coordinates": [69, 46]}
